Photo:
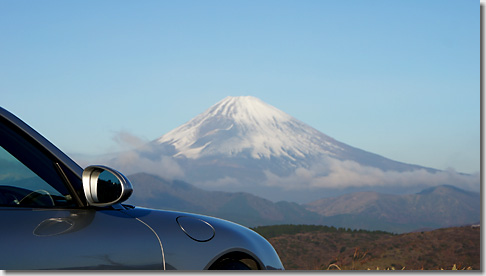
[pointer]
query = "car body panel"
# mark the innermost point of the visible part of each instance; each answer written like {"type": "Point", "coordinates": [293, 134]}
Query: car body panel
{"type": "Point", "coordinates": [229, 238]}
{"type": "Point", "coordinates": [75, 239]}
{"type": "Point", "coordinates": [113, 237]}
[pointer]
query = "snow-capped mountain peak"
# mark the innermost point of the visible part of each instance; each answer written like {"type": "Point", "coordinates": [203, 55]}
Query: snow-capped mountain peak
{"type": "Point", "coordinates": [246, 126]}
{"type": "Point", "coordinates": [247, 110]}
{"type": "Point", "coordinates": [244, 144]}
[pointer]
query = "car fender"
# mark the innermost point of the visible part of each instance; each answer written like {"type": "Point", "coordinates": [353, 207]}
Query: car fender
{"type": "Point", "coordinates": [191, 252]}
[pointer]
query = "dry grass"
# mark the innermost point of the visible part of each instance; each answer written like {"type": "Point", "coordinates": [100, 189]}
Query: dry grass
{"type": "Point", "coordinates": [360, 256]}
{"type": "Point", "coordinates": [444, 249]}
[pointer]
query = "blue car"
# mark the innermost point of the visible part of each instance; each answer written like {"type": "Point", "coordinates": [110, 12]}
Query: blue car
{"type": "Point", "coordinates": [55, 215]}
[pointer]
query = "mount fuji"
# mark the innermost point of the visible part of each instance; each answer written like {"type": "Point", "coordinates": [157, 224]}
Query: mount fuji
{"type": "Point", "coordinates": [245, 144]}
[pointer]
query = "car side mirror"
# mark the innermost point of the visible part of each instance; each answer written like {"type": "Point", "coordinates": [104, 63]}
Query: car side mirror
{"type": "Point", "coordinates": [105, 186]}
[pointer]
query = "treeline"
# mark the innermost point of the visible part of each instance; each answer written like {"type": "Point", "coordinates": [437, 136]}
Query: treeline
{"type": "Point", "coordinates": [290, 229]}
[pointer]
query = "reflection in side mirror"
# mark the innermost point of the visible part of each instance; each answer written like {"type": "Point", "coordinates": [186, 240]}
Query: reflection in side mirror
{"type": "Point", "coordinates": [104, 186]}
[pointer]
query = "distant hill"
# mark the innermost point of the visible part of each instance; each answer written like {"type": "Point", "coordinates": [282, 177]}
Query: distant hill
{"type": "Point", "coordinates": [442, 206]}
{"type": "Point", "coordinates": [304, 247]}
{"type": "Point", "coordinates": [437, 207]}
{"type": "Point", "coordinates": [243, 208]}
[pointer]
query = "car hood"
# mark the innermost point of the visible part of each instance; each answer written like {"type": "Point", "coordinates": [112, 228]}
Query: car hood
{"type": "Point", "coordinates": [194, 242]}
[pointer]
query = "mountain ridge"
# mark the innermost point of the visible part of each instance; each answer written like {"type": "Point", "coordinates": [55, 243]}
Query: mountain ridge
{"type": "Point", "coordinates": [241, 207]}
{"type": "Point", "coordinates": [435, 207]}
{"type": "Point", "coordinates": [242, 144]}
{"type": "Point", "coordinates": [394, 213]}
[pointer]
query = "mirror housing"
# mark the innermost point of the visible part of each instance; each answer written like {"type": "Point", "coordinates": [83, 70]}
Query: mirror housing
{"type": "Point", "coordinates": [104, 186]}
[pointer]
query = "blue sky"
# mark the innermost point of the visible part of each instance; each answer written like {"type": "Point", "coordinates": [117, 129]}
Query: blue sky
{"type": "Point", "coordinates": [396, 78]}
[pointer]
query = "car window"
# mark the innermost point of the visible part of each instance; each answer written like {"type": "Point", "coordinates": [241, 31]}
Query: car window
{"type": "Point", "coordinates": [28, 178]}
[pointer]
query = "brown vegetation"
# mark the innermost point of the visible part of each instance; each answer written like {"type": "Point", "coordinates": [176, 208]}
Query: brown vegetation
{"type": "Point", "coordinates": [448, 248]}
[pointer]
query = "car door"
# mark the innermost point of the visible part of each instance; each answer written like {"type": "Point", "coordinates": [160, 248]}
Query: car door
{"type": "Point", "coordinates": [44, 224]}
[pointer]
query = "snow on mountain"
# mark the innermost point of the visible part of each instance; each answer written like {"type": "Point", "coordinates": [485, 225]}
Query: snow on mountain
{"type": "Point", "coordinates": [246, 125]}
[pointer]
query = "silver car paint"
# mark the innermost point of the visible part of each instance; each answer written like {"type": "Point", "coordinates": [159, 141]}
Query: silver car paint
{"type": "Point", "coordinates": [75, 239]}
{"type": "Point", "coordinates": [229, 237]}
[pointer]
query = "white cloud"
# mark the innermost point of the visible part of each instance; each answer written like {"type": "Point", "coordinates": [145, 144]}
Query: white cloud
{"type": "Point", "coordinates": [132, 162]}
{"type": "Point", "coordinates": [330, 173]}
{"type": "Point", "coordinates": [125, 140]}
{"type": "Point", "coordinates": [131, 159]}
{"type": "Point", "coordinates": [345, 174]}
